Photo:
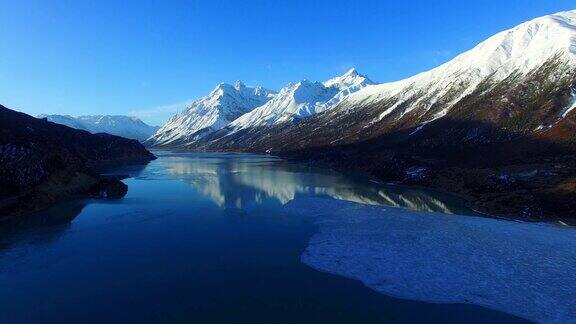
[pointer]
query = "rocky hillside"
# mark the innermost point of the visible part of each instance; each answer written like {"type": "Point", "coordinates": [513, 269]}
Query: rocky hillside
{"type": "Point", "coordinates": [511, 149]}
{"type": "Point", "coordinates": [42, 162]}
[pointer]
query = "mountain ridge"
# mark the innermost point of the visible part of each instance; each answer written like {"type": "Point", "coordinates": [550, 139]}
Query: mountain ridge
{"type": "Point", "coordinates": [425, 97]}
{"type": "Point", "coordinates": [119, 125]}
{"type": "Point", "coordinates": [212, 112]}
{"type": "Point", "coordinates": [295, 101]}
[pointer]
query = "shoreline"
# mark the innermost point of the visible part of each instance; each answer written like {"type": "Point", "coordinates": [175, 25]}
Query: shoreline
{"type": "Point", "coordinates": [58, 189]}
{"type": "Point", "coordinates": [470, 201]}
{"type": "Point", "coordinates": [68, 185]}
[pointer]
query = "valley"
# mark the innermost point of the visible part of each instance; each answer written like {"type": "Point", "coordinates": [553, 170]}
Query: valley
{"type": "Point", "coordinates": [495, 124]}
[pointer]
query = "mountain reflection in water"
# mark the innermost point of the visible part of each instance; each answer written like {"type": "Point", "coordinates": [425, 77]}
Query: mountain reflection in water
{"type": "Point", "coordinates": [240, 181]}
{"type": "Point", "coordinates": [178, 248]}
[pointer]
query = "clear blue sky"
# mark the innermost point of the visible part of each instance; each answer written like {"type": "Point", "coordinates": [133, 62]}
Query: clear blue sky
{"type": "Point", "coordinates": [115, 57]}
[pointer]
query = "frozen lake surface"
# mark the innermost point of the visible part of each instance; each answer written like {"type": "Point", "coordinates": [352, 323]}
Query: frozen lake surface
{"type": "Point", "coordinates": [221, 238]}
{"type": "Point", "coordinates": [518, 268]}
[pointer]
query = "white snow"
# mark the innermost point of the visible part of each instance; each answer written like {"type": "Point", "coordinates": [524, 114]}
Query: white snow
{"type": "Point", "coordinates": [349, 79]}
{"type": "Point", "coordinates": [519, 268]}
{"type": "Point", "coordinates": [210, 113]}
{"type": "Point", "coordinates": [520, 49]}
{"type": "Point", "coordinates": [417, 129]}
{"type": "Point", "coordinates": [125, 126]}
{"type": "Point", "coordinates": [301, 100]}
{"type": "Point", "coordinates": [297, 100]}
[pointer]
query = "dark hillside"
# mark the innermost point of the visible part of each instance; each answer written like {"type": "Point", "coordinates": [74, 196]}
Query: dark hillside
{"type": "Point", "coordinates": [49, 161]}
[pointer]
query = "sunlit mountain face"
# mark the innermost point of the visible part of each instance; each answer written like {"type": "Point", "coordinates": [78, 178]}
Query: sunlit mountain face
{"type": "Point", "coordinates": [234, 182]}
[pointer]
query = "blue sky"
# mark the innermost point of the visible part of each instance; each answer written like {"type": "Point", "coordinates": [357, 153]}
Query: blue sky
{"type": "Point", "coordinates": [149, 57]}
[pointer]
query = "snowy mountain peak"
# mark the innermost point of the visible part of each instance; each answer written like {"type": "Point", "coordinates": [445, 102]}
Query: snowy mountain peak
{"type": "Point", "coordinates": [351, 71]}
{"type": "Point", "coordinates": [222, 88]}
{"type": "Point", "coordinates": [263, 92]}
{"type": "Point", "coordinates": [224, 104]}
{"type": "Point", "coordinates": [221, 108]}
{"type": "Point", "coordinates": [348, 79]}
{"type": "Point", "coordinates": [300, 100]}
{"type": "Point", "coordinates": [306, 91]}
{"type": "Point", "coordinates": [294, 101]}
{"type": "Point", "coordinates": [518, 50]}
{"type": "Point", "coordinates": [238, 85]}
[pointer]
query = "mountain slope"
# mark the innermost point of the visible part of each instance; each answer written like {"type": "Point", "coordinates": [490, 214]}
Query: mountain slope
{"type": "Point", "coordinates": [503, 110]}
{"type": "Point", "coordinates": [542, 51]}
{"type": "Point", "coordinates": [125, 126]}
{"type": "Point", "coordinates": [518, 51]}
{"type": "Point", "coordinates": [42, 162]}
{"type": "Point", "coordinates": [293, 103]}
{"type": "Point", "coordinates": [301, 100]}
{"type": "Point", "coordinates": [224, 104]}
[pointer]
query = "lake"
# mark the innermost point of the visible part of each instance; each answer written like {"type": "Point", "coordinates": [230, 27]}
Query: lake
{"type": "Point", "coordinates": [216, 237]}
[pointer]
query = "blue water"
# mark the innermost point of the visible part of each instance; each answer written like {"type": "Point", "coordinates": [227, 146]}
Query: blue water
{"type": "Point", "coordinates": [202, 238]}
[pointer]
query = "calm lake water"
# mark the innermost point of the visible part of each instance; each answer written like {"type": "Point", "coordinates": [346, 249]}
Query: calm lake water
{"type": "Point", "coordinates": [204, 238]}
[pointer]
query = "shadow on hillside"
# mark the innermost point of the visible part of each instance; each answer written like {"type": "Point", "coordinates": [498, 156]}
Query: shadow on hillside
{"type": "Point", "coordinates": [504, 173]}
{"type": "Point", "coordinates": [449, 142]}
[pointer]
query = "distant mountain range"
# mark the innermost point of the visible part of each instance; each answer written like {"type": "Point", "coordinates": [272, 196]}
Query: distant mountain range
{"type": "Point", "coordinates": [508, 101]}
{"type": "Point", "coordinates": [231, 109]}
{"type": "Point", "coordinates": [125, 126]}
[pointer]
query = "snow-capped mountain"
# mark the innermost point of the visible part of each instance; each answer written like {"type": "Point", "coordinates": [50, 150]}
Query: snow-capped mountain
{"type": "Point", "coordinates": [517, 51]}
{"type": "Point", "coordinates": [496, 123]}
{"type": "Point", "coordinates": [210, 113]}
{"type": "Point", "coordinates": [347, 84]}
{"type": "Point", "coordinates": [492, 83]}
{"type": "Point", "coordinates": [66, 120]}
{"type": "Point", "coordinates": [294, 102]}
{"type": "Point", "coordinates": [301, 100]}
{"type": "Point", "coordinates": [125, 126]}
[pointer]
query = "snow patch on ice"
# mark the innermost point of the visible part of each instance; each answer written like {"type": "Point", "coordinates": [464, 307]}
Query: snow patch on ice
{"type": "Point", "coordinates": [518, 268]}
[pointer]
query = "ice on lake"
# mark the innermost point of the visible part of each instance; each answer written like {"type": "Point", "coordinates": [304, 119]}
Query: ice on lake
{"type": "Point", "coordinates": [524, 269]}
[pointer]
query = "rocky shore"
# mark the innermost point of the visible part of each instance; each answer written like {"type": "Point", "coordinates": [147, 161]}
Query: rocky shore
{"type": "Point", "coordinates": [42, 163]}
{"type": "Point", "coordinates": [534, 191]}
